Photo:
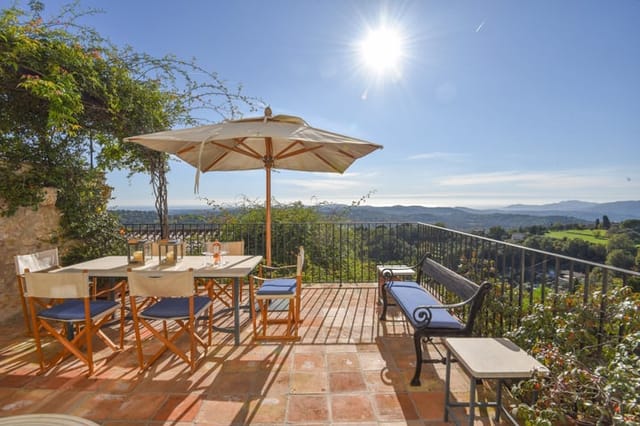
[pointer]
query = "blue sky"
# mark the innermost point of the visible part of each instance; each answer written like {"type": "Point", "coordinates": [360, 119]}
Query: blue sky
{"type": "Point", "coordinates": [491, 103]}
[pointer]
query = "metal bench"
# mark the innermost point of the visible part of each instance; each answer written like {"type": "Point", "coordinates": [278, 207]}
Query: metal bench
{"type": "Point", "coordinates": [428, 315]}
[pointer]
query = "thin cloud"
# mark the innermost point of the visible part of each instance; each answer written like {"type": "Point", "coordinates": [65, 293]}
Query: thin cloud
{"type": "Point", "coordinates": [565, 179]}
{"type": "Point", "coordinates": [437, 156]}
{"type": "Point", "coordinates": [331, 182]}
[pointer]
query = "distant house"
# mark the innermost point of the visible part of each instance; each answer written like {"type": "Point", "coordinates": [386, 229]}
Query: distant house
{"type": "Point", "coordinates": [518, 237]}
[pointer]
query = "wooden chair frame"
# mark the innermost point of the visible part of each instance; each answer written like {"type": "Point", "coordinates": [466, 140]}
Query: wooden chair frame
{"type": "Point", "coordinates": [222, 289]}
{"type": "Point", "coordinates": [42, 261]}
{"type": "Point", "coordinates": [79, 318]}
{"type": "Point", "coordinates": [165, 297]}
{"type": "Point", "coordinates": [273, 294]}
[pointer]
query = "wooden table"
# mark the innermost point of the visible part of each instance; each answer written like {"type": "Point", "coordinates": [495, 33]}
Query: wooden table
{"type": "Point", "coordinates": [234, 267]}
{"type": "Point", "coordinates": [487, 358]}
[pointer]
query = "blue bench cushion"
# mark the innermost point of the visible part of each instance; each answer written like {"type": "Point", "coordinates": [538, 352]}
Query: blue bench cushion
{"type": "Point", "coordinates": [175, 307]}
{"type": "Point", "coordinates": [278, 287]}
{"type": "Point", "coordinates": [73, 310]}
{"type": "Point", "coordinates": [409, 296]}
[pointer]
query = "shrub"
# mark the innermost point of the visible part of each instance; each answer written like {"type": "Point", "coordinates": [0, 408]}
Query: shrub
{"type": "Point", "coordinates": [594, 361]}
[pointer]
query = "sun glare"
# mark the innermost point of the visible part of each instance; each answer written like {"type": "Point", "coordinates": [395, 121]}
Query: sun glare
{"type": "Point", "coordinates": [382, 51]}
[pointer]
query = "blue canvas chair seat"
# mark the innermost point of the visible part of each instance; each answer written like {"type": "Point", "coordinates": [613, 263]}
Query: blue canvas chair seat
{"type": "Point", "coordinates": [278, 287]}
{"type": "Point", "coordinates": [175, 308]}
{"type": "Point", "coordinates": [273, 296]}
{"type": "Point", "coordinates": [73, 310]}
{"type": "Point", "coordinates": [169, 297]}
{"type": "Point", "coordinates": [73, 319]}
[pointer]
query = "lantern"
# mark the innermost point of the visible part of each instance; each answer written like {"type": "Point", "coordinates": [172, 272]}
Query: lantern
{"type": "Point", "coordinates": [170, 252]}
{"type": "Point", "coordinates": [139, 251]}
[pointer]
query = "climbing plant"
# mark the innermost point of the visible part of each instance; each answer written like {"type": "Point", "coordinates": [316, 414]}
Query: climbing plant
{"type": "Point", "coordinates": [67, 99]}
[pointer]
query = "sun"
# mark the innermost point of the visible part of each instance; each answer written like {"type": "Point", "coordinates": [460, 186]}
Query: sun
{"type": "Point", "coordinates": [382, 51]}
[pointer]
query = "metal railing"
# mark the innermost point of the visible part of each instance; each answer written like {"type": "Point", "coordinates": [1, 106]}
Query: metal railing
{"type": "Point", "coordinates": [532, 288]}
{"type": "Point", "coordinates": [349, 252]}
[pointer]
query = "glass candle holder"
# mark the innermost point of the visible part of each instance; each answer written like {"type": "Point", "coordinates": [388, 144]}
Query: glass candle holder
{"type": "Point", "coordinates": [139, 251]}
{"type": "Point", "coordinates": [170, 252]}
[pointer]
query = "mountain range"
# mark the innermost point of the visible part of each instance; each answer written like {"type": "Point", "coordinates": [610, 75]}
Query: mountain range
{"type": "Point", "coordinates": [510, 217]}
{"type": "Point", "coordinates": [461, 218]}
{"type": "Point", "coordinates": [616, 211]}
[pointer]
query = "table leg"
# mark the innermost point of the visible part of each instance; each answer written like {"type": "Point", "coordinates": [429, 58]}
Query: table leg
{"type": "Point", "coordinates": [236, 310]}
{"type": "Point", "coordinates": [447, 385]}
{"type": "Point", "coordinates": [499, 400]}
{"type": "Point", "coordinates": [472, 400]}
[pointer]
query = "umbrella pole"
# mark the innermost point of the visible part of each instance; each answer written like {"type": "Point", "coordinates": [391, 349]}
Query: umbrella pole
{"type": "Point", "coordinates": [268, 215]}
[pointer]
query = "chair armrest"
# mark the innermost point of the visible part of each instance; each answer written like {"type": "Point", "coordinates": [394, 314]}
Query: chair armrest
{"type": "Point", "coordinates": [264, 279]}
{"type": "Point", "coordinates": [120, 286]}
{"type": "Point", "coordinates": [270, 270]}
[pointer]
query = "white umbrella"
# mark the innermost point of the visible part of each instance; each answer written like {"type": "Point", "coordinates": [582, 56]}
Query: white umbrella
{"type": "Point", "coordinates": [279, 142]}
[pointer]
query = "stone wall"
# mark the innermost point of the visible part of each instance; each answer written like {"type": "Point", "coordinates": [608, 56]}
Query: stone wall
{"type": "Point", "coordinates": [25, 232]}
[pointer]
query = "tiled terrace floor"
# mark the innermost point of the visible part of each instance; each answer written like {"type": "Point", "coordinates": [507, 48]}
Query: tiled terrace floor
{"type": "Point", "coordinates": [348, 368]}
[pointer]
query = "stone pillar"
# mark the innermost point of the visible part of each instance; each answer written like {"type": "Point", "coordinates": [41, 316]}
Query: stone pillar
{"type": "Point", "coordinates": [25, 232]}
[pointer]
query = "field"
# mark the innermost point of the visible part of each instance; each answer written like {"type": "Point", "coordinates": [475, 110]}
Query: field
{"type": "Point", "coordinates": [596, 236]}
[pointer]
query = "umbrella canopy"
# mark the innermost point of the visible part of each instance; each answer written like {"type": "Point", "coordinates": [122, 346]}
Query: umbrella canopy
{"type": "Point", "coordinates": [280, 142]}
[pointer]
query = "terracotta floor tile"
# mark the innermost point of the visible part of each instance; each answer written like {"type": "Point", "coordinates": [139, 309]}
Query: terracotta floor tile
{"type": "Point", "coordinates": [137, 406]}
{"type": "Point", "coordinates": [392, 406]}
{"type": "Point", "coordinates": [226, 410]}
{"type": "Point", "coordinates": [313, 382]}
{"type": "Point", "coordinates": [430, 405]}
{"type": "Point", "coordinates": [277, 383]}
{"type": "Point", "coordinates": [351, 408]}
{"type": "Point", "coordinates": [308, 409]}
{"type": "Point", "coordinates": [179, 408]}
{"type": "Point", "coordinates": [308, 362]}
{"type": "Point", "coordinates": [237, 384]}
{"type": "Point", "coordinates": [384, 381]}
{"type": "Point", "coordinates": [372, 360]}
{"type": "Point", "coordinates": [349, 368]}
{"type": "Point", "coordinates": [346, 381]}
{"type": "Point", "coordinates": [341, 348]}
{"type": "Point", "coordinates": [343, 361]}
{"type": "Point", "coordinates": [268, 410]}
{"type": "Point", "coordinates": [22, 401]}
{"type": "Point", "coordinates": [308, 349]}
{"type": "Point", "coordinates": [62, 402]}
{"type": "Point", "coordinates": [17, 380]}
{"type": "Point", "coordinates": [52, 381]}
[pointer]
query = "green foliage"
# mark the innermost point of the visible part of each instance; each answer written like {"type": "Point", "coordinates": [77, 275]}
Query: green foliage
{"type": "Point", "coordinates": [621, 259]}
{"type": "Point", "coordinates": [63, 88]}
{"type": "Point", "coordinates": [497, 233]}
{"type": "Point", "coordinates": [575, 246]}
{"type": "Point", "coordinates": [620, 241]}
{"type": "Point", "coordinates": [594, 236]}
{"type": "Point", "coordinates": [90, 230]}
{"type": "Point", "coordinates": [594, 365]}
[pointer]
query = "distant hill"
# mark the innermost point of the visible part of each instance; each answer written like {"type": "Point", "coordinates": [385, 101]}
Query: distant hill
{"type": "Point", "coordinates": [616, 211]}
{"type": "Point", "coordinates": [461, 218]}
{"type": "Point", "coordinates": [456, 217]}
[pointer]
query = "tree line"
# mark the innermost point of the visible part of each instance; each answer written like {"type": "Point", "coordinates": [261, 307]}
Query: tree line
{"type": "Point", "coordinates": [621, 250]}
